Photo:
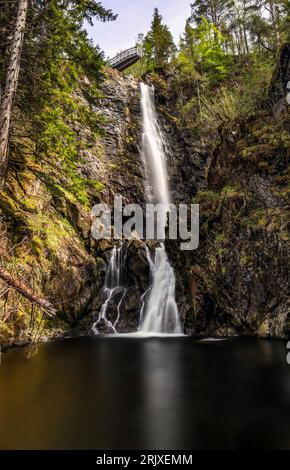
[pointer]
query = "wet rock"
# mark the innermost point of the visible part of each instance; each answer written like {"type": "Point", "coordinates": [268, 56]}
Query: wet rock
{"type": "Point", "coordinates": [132, 301]}
{"type": "Point", "coordinates": [187, 158]}
{"type": "Point", "coordinates": [104, 328]}
{"type": "Point", "coordinates": [119, 161]}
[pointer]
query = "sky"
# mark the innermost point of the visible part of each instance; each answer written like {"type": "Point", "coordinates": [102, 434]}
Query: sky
{"type": "Point", "coordinates": [134, 17]}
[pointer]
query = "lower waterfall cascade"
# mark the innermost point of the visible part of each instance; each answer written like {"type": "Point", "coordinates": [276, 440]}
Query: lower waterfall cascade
{"type": "Point", "coordinates": [115, 284]}
{"type": "Point", "coordinates": [161, 313]}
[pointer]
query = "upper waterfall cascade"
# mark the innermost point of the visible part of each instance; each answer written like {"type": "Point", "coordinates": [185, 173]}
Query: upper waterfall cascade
{"type": "Point", "coordinates": [153, 150]}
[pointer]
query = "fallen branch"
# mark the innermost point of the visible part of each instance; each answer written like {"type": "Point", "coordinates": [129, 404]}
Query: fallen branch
{"type": "Point", "coordinates": [27, 292]}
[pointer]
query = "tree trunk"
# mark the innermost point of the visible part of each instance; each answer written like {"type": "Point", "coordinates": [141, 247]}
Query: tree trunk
{"type": "Point", "coordinates": [238, 43]}
{"type": "Point", "coordinates": [27, 292]}
{"type": "Point", "coordinates": [274, 11]}
{"type": "Point", "coordinates": [246, 40]}
{"type": "Point", "coordinates": [11, 86]}
{"type": "Point", "coordinates": [241, 38]}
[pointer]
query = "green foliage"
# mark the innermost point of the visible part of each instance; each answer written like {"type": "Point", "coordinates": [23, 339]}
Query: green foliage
{"type": "Point", "coordinates": [246, 24]}
{"type": "Point", "coordinates": [203, 45]}
{"type": "Point", "coordinates": [54, 66]}
{"type": "Point", "coordinates": [222, 108]}
{"type": "Point", "coordinates": [214, 11]}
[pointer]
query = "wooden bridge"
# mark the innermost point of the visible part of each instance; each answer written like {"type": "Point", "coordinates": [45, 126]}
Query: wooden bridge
{"type": "Point", "coordinates": [125, 59]}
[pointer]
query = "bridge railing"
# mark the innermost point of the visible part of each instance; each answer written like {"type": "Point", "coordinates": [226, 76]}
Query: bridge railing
{"type": "Point", "coordinates": [122, 56]}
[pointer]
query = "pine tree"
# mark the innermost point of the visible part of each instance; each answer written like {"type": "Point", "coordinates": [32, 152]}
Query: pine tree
{"type": "Point", "coordinates": [214, 11]}
{"type": "Point", "coordinates": [52, 38]}
{"type": "Point", "coordinates": [158, 45]}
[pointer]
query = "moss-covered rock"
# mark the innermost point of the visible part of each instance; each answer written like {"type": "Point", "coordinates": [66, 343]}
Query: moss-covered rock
{"type": "Point", "coordinates": [89, 155]}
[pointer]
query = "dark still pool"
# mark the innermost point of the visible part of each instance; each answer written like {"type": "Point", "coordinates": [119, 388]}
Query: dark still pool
{"type": "Point", "coordinates": [154, 393]}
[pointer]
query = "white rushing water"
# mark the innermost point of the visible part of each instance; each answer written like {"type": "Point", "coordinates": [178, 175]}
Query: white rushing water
{"type": "Point", "coordinates": [115, 285]}
{"type": "Point", "coordinates": [160, 313]}
{"type": "Point", "coordinates": [153, 153]}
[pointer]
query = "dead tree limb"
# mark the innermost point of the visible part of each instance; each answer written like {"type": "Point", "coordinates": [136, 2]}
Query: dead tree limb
{"type": "Point", "coordinates": [27, 292]}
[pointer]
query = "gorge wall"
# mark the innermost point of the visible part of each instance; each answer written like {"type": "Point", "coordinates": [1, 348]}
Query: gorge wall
{"type": "Point", "coordinates": [45, 228]}
{"type": "Point", "coordinates": [237, 282]}
{"type": "Point", "coordinates": [238, 279]}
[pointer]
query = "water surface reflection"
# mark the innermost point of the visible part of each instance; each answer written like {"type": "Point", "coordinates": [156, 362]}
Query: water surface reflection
{"type": "Point", "coordinates": [150, 393]}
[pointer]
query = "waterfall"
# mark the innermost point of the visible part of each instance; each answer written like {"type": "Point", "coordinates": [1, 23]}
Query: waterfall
{"type": "Point", "coordinates": [153, 153]}
{"type": "Point", "coordinates": [160, 314]}
{"type": "Point", "coordinates": [114, 290]}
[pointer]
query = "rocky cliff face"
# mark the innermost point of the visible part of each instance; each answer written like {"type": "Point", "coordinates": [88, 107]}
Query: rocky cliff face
{"type": "Point", "coordinates": [121, 172]}
{"type": "Point", "coordinates": [45, 230]}
{"type": "Point", "coordinates": [240, 274]}
{"type": "Point", "coordinates": [238, 279]}
{"type": "Point", "coordinates": [118, 165]}
{"type": "Point", "coordinates": [237, 282]}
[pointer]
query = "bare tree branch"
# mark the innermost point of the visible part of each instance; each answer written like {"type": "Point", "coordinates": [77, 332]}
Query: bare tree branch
{"type": "Point", "coordinates": [27, 292]}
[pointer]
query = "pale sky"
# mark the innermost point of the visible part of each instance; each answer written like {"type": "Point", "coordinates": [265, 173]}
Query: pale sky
{"type": "Point", "coordinates": [135, 17]}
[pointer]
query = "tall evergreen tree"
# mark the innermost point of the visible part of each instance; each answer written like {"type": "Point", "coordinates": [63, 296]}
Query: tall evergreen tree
{"type": "Point", "coordinates": [40, 43]}
{"type": "Point", "coordinates": [158, 45]}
